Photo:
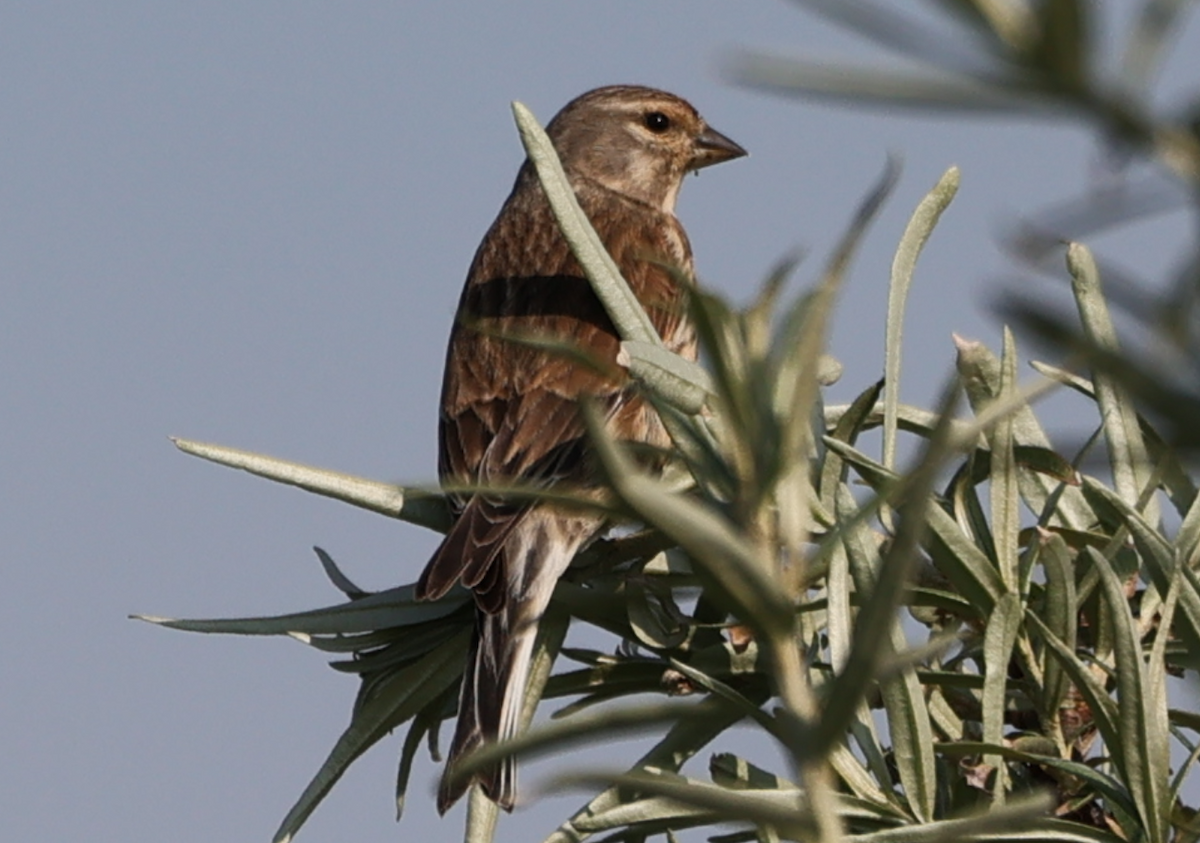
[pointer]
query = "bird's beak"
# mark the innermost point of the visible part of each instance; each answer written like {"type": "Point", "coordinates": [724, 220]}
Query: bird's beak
{"type": "Point", "coordinates": [712, 147]}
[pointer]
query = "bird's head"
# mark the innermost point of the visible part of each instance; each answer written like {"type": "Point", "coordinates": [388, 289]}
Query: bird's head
{"type": "Point", "coordinates": [637, 141]}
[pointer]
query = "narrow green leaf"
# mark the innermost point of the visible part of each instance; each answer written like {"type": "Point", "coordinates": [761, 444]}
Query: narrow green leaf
{"type": "Point", "coordinates": [839, 617]}
{"type": "Point", "coordinates": [877, 622]}
{"type": "Point", "coordinates": [732, 696]}
{"type": "Point", "coordinates": [891, 88]}
{"type": "Point", "coordinates": [394, 607]}
{"type": "Point", "coordinates": [998, 641]}
{"type": "Point", "coordinates": [704, 534]}
{"type": "Point", "coordinates": [846, 429]}
{"type": "Point", "coordinates": [1181, 777]}
{"type": "Point", "coordinates": [424, 723]}
{"type": "Point", "coordinates": [1144, 761]}
{"type": "Point", "coordinates": [1177, 482]}
{"type": "Point", "coordinates": [896, 30]}
{"type": "Point", "coordinates": [610, 692]}
{"type": "Point", "coordinates": [411, 643]}
{"type": "Point", "coordinates": [911, 729]}
{"type": "Point", "coordinates": [619, 302]}
{"type": "Point", "coordinates": [1021, 821]}
{"type": "Point", "coordinates": [854, 776]}
{"type": "Point", "coordinates": [1154, 26]}
{"type": "Point", "coordinates": [681, 797]}
{"type": "Point", "coordinates": [402, 695]}
{"type": "Point", "coordinates": [729, 770]}
{"type": "Point", "coordinates": [552, 631]}
{"type": "Point", "coordinates": [340, 581]}
{"type": "Point", "coordinates": [417, 507]}
{"type": "Point", "coordinates": [1063, 52]}
{"type": "Point", "coordinates": [557, 735]}
{"type": "Point", "coordinates": [785, 809]}
{"type": "Point", "coordinates": [912, 242]}
{"type": "Point", "coordinates": [998, 827]}
{"type": "Point", "coordinates": [863, 561]}
{"type": "Point", "coordinates": [716, 327]}
{"type": "Point", "coordinates": [482, 814]}
{"type": "Point", "coordinates": [1012, 24]}
{"type": "Point", "coordinates": [943, 716]}
{"type": "Point", "coordinates": [1108, 787]}
{"type": "Point", "coordinates": [873, 473]}
{"type": "Point", "coordinates": [966, 507]}
{"type": "Point", "coordinates": [675, 380]}
{"type": "Point", "coordinates": [1052, 465]}
{"type": "Point", "coordinates": [1156, 555]}
{"type": "Point", "coordinates": [595, 606]}
{"type": "Point", "coordinates": [712, 717]}
{"type": "Point", "coordinates": [1156, 698]}
{"type": "Point", "coordinates": [964, 564]}
{"type": "Point", "coordinates": [1062, 618]}
{"type": "Point", "coordinates": [1186, 719]}
{"type": "Point", "coordinates": [408, 753]}
{"type": "Point", "coordinates": [1103, 709]}
{"type": "Point", "coordinates": [911, 419]}
{"type": "Point", "coordinates": [355, 642]}
{"type": "Point", "coordinates": [1006, 520]}
{"type": "Point", "coordinates": [1187, 541]}
{"type": "Point", "coordinates": [1015, 823]}
{"type": "Point", "coordinates": [647, 815]}
{"type": "Point", "coordinates": [652, 625]}
{"type": "Point", "coordinates": [1127, 450]}
{"type": "Point", "coordinates": [866, 736]}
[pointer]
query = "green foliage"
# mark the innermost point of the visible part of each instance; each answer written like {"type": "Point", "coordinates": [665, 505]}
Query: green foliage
{"type": "Point", "coordinates": [974, 646]}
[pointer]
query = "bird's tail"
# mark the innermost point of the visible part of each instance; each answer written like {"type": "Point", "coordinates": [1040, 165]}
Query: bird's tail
{"type": "Point", "coordinates": [491, 702]}
{"type": "Point", "coordinates": [492, 699]}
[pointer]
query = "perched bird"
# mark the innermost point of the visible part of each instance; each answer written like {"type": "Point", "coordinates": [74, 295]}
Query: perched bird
{"type": "Point", "coordinates": [510, 411]}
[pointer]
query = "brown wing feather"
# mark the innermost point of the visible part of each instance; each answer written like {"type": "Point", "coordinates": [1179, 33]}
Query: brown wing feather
{"type": "Point", "coordinates": [510, 411]}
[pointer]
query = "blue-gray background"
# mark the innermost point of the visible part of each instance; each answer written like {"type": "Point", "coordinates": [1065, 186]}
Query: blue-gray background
{"type": "Point", "coordinates": [248, 224]}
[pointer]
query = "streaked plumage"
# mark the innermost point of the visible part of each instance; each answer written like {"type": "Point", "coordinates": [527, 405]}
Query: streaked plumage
{"type": "Point", "coordinates": [510, 412]}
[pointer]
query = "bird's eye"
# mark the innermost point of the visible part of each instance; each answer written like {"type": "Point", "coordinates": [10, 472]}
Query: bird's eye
{"type": "Point", "coordinates": [657, 122]}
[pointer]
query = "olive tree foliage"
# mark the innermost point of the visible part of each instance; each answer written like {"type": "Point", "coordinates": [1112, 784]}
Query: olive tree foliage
{"type": "Point", "coordinates": [977, 644]}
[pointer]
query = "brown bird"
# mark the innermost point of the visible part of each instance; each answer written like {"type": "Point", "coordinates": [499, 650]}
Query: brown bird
{"type": "Point", "coordinates": [510, 411]}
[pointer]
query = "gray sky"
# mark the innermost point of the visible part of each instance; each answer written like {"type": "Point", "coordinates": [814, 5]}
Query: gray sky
{"type": "Point", "coordinates": [248, 224]}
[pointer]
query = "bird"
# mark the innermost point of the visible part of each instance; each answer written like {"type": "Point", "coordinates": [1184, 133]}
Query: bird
{"type": "Point", "coordinates": [510, 410]}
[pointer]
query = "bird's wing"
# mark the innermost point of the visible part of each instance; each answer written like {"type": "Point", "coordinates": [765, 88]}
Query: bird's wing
{"type": "Point", "coordinates": [538, 441]}
{"type": "Point", "coordinates": [510, 410]}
